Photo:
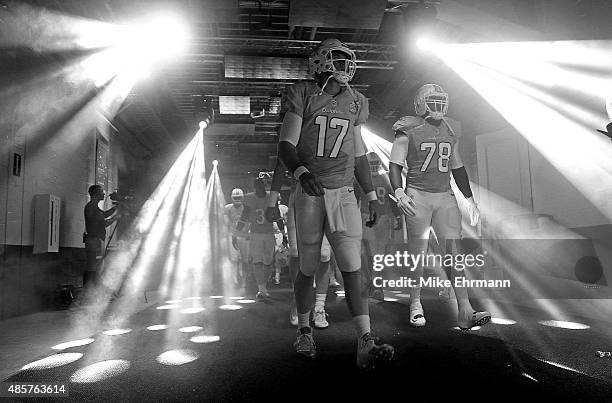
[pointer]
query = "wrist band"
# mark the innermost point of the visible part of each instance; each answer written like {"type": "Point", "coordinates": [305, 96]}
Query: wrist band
{"type": "Point", "coordinates": [399, 193]}
{"type": "Point", "coordinates": [299, 171]}
{"type": "Point", "coordinates": [371, 196]}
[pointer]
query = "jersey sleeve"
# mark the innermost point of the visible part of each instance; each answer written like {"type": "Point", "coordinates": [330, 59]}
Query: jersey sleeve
{"type": "Point", "coordinates": [294, 99]}
{"type": "Point", "coordinates": [364, 110]}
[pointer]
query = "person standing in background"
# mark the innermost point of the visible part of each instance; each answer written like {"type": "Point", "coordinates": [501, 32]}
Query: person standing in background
{"type": "Point", "coordinates": [96, 221]}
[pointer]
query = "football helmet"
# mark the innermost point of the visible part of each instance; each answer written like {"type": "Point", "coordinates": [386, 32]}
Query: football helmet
{"type": "Point", "coordinates": [376, 166]}
{"type": "Point", "coordinates": [334, 57]}
{"type": "Point", "coordinates": [237, 195]}
{"type": "Point", "coordinates": [431, 101]}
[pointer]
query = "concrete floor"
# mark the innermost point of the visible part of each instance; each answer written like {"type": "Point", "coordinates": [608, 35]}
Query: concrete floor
{"type": "Point", "coordinates": [253, 357]}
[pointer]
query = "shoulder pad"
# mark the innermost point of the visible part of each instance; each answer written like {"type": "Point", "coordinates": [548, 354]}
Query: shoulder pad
{"type": "Point", "coordinates": [307, 87]}
{"type": "Point", "coordinates": [407, 123]}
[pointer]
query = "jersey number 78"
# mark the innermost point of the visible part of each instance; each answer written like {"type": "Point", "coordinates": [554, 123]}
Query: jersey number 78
{"type": "Point", "coordinates": [444, 152]}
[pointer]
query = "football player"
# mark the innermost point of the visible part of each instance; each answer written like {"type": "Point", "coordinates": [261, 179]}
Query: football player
{"type": "Point", "coordinates": [281, 253]}
{"type": "Point", "coordinates": [240, 253]}
{"type": "Point", "coordinates": [428, 144]}
{"type": "Point", "coordinates": [321, 144]}
{"type": "Point", "coordinates": [322, 274]}
{"type": "Point", "coordinates": [262, 242]}
{"type": "Point", "coordinates": [377, 237]}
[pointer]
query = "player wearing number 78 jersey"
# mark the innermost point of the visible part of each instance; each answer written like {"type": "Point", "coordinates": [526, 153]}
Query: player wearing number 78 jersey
{"type": "Point", "coordinates": [427, 145]}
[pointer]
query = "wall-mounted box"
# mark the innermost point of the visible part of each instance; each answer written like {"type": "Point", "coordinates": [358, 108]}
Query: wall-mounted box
{"type": "Point", "coordinates": [46, 223]}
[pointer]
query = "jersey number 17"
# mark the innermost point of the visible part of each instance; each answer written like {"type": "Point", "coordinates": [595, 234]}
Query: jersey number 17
{"type": "Point", "coordinates": [334, 123]}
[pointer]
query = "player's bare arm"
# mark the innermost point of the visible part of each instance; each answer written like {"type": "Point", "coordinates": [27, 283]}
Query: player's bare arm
{"type": "Point", "coordinates": [272, 212]}
{"type": "Point", "coordinates": [399, 152]}
{"type": "Point", "coordinates": [364, 177]}
{"type": "Point", "coordinates": [287, 152]}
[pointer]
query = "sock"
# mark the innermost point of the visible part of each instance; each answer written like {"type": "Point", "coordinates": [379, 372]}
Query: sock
{"type": "Point", "coordinates": [362, 325]}
{"type": "Point", "coordinates": [320, 302]}
{"type": "Point", "coordinates": [415, 295]}
{"type": "Point", "coordinates": [322, 278]}
{"type": "Point", "coordinates": [294, 267]}
{"type": "Point", "coordinates": [303, 320]}
{"type": "Point", "coordinates": [464, 306]}
{"type": "Point", "coordinates": [357, 304]}
{"type": "Point", "coordinates": [303, 293]}
{"type": "Point", "coordinates": [260, 277]}
{"type": "Point", "coordinates": [267, 271]}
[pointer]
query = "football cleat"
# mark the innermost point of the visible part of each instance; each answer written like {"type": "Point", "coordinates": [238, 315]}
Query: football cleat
{"type": "Point", "coordinates": [320, 319]}
{"type": "Point", "coordinates": [477, 318]}
{"type": "Point", "coordinates": [417, 315]}
{"type": "Point", "coordinates": [370, 352]}
{"type": "Point", "coordinates": [304, 344]}
{"type": "Point", "coordinates": [262, 296]}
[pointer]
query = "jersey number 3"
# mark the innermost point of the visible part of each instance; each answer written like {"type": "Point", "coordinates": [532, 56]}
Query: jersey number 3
{"type": "Point", "coordinates": [334, 123]}
{"type": "Point", "coordinates": [444, 153]}
{"type": "Point", "coordinates": [260, 216]}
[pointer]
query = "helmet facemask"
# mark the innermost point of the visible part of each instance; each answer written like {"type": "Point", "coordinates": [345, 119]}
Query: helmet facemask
{"type": "Point", "coordinates": [431, 101]}
{"type": "Point", "coordinates": [237, 197]}
{"type": "Point", "coordinates": [376, 166]}
{"type": "Point", "coordinates": [237, 200]}
{"type": "Point", "coordinates": [335, 58]}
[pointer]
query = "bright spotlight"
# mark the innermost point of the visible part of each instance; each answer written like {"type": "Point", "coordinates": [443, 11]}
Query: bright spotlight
{"type": "Point", "coordinates": [162, 36]}
{"type": "Point", "coordinates": [177, 357]}
{"type": "Point", "coordinates": [564, 324]}
{"type": "Point", "coordinates": [215, 163]}
{"type": "Point", "coordinates": [230, 307]}
{"type": "Point", "coordinates": [116, 332]}
{"type": "Point", "coordinates": [203, 124]}
{"type": "Point", "coordinates": [424, 43]}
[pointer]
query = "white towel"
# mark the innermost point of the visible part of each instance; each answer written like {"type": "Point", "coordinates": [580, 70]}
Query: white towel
{"type": "Point", "coordinates": [333, 208]}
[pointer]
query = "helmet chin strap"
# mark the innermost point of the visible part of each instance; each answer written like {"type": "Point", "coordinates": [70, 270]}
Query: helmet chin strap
{"type": "Point", "coordinates": [325, 84]}
{"type": "Point", "coordinates": [450, 129]}
{"type": "Point", "coordinates": [348, 87]}
{"type": "Point", "coordinates": [350, 90]}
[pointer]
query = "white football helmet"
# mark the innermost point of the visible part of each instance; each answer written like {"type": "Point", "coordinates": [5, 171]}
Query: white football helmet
{"type": "Point", "coordinates": [431, 100]}
{"type": "Point", "coordinates": [334, 57]}
{"type": "Point", "coordinates": [376, 166]}
{"type": "Point", "coordinates": [237, 195]}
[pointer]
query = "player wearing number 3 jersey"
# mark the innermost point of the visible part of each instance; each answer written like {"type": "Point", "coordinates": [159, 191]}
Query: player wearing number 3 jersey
{"type": "Point", "coordinates": [427, 145]}
{"type": "Point", "coordinates": [262, 242]}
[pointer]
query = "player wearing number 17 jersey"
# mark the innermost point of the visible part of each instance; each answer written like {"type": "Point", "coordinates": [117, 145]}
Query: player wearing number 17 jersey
{"type": "Point", "coordinates": [321, 144]}
{"type": "Point", "coordinates": [427, 145]}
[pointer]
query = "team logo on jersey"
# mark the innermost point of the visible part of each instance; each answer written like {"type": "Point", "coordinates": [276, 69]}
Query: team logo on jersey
{"type": "Point", "coordinates": [353, 107]}
{"type": "Point", "coordinates": [333, 105]}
